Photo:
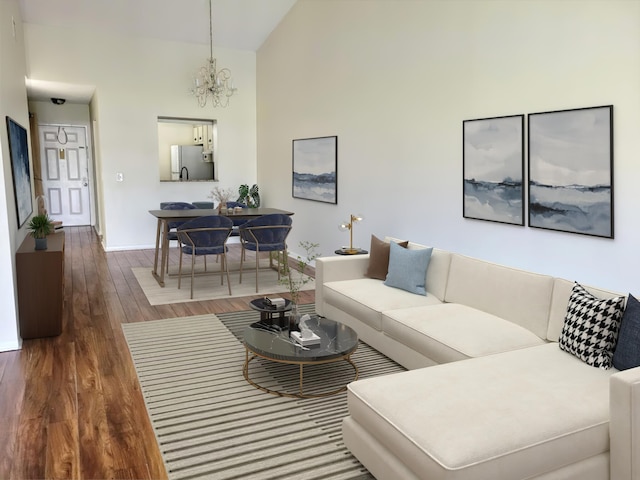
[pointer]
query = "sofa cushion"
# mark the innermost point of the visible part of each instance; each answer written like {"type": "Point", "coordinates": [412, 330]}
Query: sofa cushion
{"type": "Point", "coordinates": [514, 412]}
{"type": "Point", "coordinates": [627, 352]}
{"type": "Point", "coordinates": [591, 327]}
{"type": "Point", "coordinates": [561, 292]}
{"type": "Point", "coordinates": [449, 332]}
{"type": "Point", "coordinates": [366, 298]}
{"type": "Point", "coordinates": [521, 297]}
{"type": "Point", "coordinates": [379, 258]}
{"type": "Point", "coordinates": [408, 269]}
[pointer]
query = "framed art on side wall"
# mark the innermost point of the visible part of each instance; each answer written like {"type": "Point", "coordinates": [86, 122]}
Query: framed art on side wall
{"type": "Point", "coordinates": [19, 154]}
{"type": "Point", "coordinates": [315, 169]}
{"type": "Point", "coordinates": [571, 171]}
{"type": "Point", "coordinates": [493, 169]}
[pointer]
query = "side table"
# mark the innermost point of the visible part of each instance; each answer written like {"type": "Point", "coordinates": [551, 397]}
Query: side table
{"type": "Point", "coordinates": [272, 316]}
{"type": "Point", "coordinates": [345, 251]}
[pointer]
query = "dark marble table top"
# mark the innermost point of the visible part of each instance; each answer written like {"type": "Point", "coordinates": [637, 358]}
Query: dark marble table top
{"type": "Point", "coordinates": [336, 341]}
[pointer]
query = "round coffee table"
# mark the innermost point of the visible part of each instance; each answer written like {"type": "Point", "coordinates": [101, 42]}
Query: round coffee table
{"type": "Point", "coordinates": [337, 342]}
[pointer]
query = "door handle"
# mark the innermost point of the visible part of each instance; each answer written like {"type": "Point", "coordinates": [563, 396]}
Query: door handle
{"type": "Point", "coordinates": [85, 182]}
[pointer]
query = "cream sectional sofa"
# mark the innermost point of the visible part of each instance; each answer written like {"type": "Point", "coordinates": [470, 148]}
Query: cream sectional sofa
{"type": "Point", "coordinates": [500, 399]}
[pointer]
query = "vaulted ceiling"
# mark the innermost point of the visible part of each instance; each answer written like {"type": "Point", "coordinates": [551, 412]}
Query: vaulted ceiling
{"type": "Point", "coordinates": [237, 24]}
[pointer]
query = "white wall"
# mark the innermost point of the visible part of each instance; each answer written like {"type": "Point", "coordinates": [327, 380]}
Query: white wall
{"type": "Point", "coordinates": [138, 80]}
{"type": "Point", "coordinates": [13, 103]}
{"type": "Point", "coordinates": [394, 80]}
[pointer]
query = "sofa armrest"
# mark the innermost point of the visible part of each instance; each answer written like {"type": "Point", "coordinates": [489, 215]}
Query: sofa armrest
{"type": "Point", "coordinates": [332, 269]}
{"type": "Point", "coordinates": [624, 424]}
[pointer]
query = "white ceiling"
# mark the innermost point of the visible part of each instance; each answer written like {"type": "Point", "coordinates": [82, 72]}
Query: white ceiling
{"type": "Point", "coordinates": [237, 24]}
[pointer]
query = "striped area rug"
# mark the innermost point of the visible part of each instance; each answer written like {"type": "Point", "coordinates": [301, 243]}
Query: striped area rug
{"type": "Point", "coordinates": [210, 423]}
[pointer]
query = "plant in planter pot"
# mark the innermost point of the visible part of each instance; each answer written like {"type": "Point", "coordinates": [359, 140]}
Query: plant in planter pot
{"type": "Point", "coordinates": [40, 226]}
{"type": "Point", "coordinates": [295, 279]}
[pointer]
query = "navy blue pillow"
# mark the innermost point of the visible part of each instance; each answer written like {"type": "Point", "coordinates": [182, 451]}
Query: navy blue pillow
{"type": "Point", "coordinates": [627, 353]}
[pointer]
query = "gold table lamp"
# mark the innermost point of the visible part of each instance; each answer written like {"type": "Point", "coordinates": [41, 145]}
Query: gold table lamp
{"type": "Point", "coordinates": [348, 225]}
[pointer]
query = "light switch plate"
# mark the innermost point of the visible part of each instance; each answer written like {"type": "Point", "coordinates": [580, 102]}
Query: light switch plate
{"type": "Point", "coordinates": [119, 177]}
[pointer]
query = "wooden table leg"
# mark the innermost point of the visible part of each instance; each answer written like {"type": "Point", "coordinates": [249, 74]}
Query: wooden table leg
{"type": "Point", "coordinates": [163, 245]}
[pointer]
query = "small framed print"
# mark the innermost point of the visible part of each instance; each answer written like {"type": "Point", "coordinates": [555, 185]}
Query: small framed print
{"type": "Point", "coordinates": [315, 169]}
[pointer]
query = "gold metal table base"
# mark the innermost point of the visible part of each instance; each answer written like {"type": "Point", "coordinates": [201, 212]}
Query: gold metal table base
{"type": "Point", "coordinates": [300, 394]}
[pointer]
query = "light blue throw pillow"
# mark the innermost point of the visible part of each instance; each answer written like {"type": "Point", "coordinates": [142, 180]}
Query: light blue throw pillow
{"type": "Point", "coordinates": [408, 269]}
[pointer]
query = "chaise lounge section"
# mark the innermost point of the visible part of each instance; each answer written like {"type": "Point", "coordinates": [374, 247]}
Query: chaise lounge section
{"type": "Point", "coordinates": [500, 399]}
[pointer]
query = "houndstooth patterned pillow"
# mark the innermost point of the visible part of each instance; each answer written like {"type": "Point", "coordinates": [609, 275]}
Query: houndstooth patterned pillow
{"type": "Point", "coordinates": [591, 327]}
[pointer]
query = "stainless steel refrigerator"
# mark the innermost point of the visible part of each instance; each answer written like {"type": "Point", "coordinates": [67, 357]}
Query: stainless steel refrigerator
{"type": "Point", "coordinates": [189, 163]}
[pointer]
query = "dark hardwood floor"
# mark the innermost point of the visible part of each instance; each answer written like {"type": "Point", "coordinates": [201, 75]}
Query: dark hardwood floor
{"type": "Point", "coordinates": [71, 406]}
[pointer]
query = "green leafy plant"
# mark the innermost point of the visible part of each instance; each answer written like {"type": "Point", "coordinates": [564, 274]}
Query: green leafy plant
{"type": "Point", "coordinates": [249, 196]}
{"type": "Point", "coordinates": [40, 226]}
{"type": "Point", "coordinates": [295, 279]}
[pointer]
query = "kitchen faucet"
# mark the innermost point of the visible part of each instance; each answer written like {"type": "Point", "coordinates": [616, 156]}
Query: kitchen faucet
{"type": "Point", "coordinates": [185, 169]}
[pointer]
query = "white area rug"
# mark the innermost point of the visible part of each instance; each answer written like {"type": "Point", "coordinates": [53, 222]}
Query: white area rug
{"type": "Point", "coordinates": [208, 287]}
{"type": "Point", "coordinates": [210, 423]}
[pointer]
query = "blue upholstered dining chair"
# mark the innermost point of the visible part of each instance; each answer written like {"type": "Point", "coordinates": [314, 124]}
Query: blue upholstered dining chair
{"type": "Point", "coordinates": [267, 233]}
{"type": "Point", "coordinates": [171, 227]}
{"type": "Point", "coordinates": [204, 205]}
{"type": "Point", "coordinates": [205, 236]}
{"type": "Point", "coordinates": [237, 221]}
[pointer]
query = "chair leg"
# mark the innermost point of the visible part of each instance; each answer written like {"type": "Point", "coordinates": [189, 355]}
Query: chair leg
{"type": "Point", "coordinates": [180, 270]}
{"type": "Point", "coordinates": [242, 254]}
{"type": "Point", "coordinates": [226, 267]}
{"type": "Point", "coordinates": [193, 267]}
{"type": "Point", "coordinates": [257, 264]}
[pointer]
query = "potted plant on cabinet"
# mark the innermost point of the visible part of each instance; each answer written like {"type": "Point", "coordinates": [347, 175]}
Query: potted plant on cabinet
{"type": "Point", "coordinates": [40, 226]}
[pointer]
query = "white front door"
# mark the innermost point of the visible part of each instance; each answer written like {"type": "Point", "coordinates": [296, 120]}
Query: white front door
{"type": "Point", "coordinates": [65, 173]}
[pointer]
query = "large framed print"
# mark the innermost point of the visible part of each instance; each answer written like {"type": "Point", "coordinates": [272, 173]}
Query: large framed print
{"type": "Point", "coordinates": [315, 169]}
{"type": "Point", "coordinates": [19, 153]}
{"type": "Point", "coordinates": [493, 169]}
{"type": "Point", "coordinates": [571, 171]}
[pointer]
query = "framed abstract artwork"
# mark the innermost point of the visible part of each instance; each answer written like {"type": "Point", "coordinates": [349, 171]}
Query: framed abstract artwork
{"type": "Point", "coordinates": [493, 169]}
{"type": "Point", "coordinates": [19, 153]}
{"type": "Point", "coordinates": [315, 169]}
{"type": "Point", "coordinates": [571, 171]}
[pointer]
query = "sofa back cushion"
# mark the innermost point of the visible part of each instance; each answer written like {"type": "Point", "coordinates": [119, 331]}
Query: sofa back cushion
{"type": "Point", "coordinates": [521, 297]}
{"type": "Point", "coordinates": [560, 300]}
{"type": "Point", "coordinates": [438, 270]}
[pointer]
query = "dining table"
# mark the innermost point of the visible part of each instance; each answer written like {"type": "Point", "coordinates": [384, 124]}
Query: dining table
{"type": "Point", "coordinates": [166, 216]}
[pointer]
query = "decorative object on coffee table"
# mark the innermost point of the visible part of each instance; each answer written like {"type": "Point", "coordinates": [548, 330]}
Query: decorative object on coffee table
{"type": "Point", "coordinates": [295, 279]}
{"type": "Point", "coordinates": [348, 225]}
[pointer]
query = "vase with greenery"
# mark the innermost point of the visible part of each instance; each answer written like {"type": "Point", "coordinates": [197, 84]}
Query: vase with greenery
{"type": "Point", "coordinates": [295, 278]}
{"type": "Point", "coordinates": [40, 226]}
{"type": "Point", "coordinates": [222, 195]}
{"type": "Point", "coordinates": [249, 196]}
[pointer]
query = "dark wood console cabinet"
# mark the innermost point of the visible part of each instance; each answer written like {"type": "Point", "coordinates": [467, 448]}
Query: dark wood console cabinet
{"type": "Point", "coordinates": [40, 275]}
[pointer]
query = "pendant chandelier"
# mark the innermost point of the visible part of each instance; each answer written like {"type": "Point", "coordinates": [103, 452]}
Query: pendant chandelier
{"type": "Point", "coordinates": [211, 84]}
